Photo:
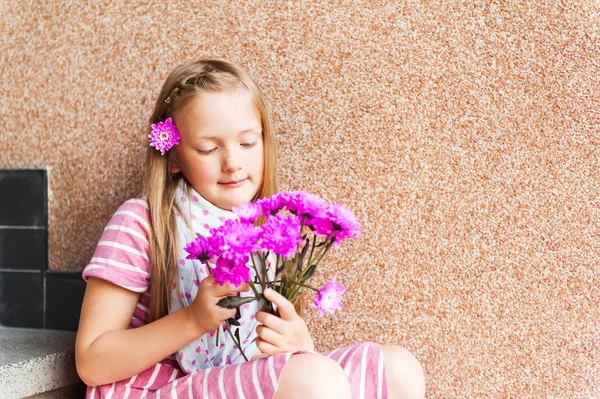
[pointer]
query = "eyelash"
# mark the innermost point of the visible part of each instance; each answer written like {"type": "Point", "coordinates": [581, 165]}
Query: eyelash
{"type": "Point", "coordinates": [249, 145]}
{"type": "Point", "coordinates": [245, 145]}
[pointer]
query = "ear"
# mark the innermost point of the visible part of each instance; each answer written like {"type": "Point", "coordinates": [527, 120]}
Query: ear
{"type": "Point", "coordinates": [174, 164]}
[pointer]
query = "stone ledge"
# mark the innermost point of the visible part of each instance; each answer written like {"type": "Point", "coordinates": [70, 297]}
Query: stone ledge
{"type": "Point", "coordinates": [36, 362]}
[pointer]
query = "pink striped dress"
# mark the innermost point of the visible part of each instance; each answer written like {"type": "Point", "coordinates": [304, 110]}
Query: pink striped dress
{"type": "Point", "coordinates": [122, 258]}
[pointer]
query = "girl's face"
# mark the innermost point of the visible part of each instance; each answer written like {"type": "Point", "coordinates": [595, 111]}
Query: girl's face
{"type": "Point", "coordinates": [220, 152]}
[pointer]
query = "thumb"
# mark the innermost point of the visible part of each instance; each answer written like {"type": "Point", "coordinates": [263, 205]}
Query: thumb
{"type": "Point", "coordinates": [285, 307]}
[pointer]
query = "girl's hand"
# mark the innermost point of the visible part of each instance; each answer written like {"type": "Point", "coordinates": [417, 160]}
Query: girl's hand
{"type": "Point", "coordinates": [204, 312]}
{"type": "Point", "coordinates": [287, 333]}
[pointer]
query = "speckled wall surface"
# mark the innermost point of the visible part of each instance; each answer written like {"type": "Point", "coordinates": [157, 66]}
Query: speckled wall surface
{"type": "Point", "coordinates": [465, 135]}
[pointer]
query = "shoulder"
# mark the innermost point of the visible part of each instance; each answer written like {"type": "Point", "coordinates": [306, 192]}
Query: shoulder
{"type": "Point", "coordinates": [123, 252]}
{"type": "Point", "coordinates": [134, 213]}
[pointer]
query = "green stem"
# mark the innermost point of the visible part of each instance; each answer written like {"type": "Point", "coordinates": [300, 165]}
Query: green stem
{"type": "Point", "coordinates": [256, 293]}
{"type": "Point", "coordinates": [304, 285]}
{"type": "Point", "coordinates": [238, 344]}
{"type": "Point", "coordinates": [258, 276]}
{"type": "Point", "coordinates": [312, 249]}
{"type": "Point", "coordinates": [327, 247]}
{"type": "Point", "coordinates": [264, 267]}
{"type": "Point", "coordinates": [327, 243]}
{"type": "Point", "coordinates": [208, 267]}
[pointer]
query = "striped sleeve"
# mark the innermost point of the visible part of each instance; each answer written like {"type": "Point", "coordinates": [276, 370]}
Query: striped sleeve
{"type": "Point", "coordinates": [122, 256]}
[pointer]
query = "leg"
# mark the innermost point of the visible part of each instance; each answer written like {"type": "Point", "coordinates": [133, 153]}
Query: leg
{"type": "Point", "coordinates": [404, 373]}
{"type": "Point", "coordinates": [313, 376]}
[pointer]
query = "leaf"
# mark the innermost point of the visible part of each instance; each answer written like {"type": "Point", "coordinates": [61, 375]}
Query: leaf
{"type": "Point", "coordinates": [279, 270]}
{"type": "Point", "coordinates": [232, 302]}
{"type": "Point", "coordinates": [310, 272]}
{"type": "Point", "coordinates": [237, 333]}
{"type": "Point", "coordinates": [302, 255]}
{"type": "Point", "coordinates": [261, 302]}
{"type": "Point", "coordinates": [233, 322]}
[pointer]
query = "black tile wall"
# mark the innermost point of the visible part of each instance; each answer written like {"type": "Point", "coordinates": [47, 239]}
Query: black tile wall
{"type": "Point", "coordinates": [22, 299]}
{"type": "Point", "coordinates": [23, 197]}
{"type": "Point", "coordinates": [30, 294]}
{"type": "Point", "coordinates": [64, 294]}
{"type": "Point", "coordinates": [23, 249]}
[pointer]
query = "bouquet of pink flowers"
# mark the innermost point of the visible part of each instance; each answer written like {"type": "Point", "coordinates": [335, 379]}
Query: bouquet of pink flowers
{"type": "Point", "coordinates": [299, 229]}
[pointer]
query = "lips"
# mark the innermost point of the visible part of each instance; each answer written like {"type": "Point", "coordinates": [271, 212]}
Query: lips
{"type": "Point", "coordinates": [233, 183]}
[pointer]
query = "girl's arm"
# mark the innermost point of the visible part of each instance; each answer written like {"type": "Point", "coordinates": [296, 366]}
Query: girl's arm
{"type": "Point", "coordinates": [106, 351]}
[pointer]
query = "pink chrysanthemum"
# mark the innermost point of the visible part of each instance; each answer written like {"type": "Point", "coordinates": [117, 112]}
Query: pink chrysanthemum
{"type": "Point", "coordinates": [285, 199]}
{"type": "Point", "coordinates": [281, 234]}
{"type": "Point", "coordinates": [202, 249]}
{"type": "Point", "coordinates": [248, 212]}
{"type": "Point", "coordinates": [309, 205]}
{"type": "Point", "coordinates": [329, 299]}
{"type": "Point", "coordinates": [300, 203]}
{"type": "Point", "coordinates": [232, 271]}
{"type": "Point", "coordinates": [345, 224]}
{"type": "Point", "coordinates": [269, 205]}
{"type": "Point", "coordinates": [235, 239]}
{"type": "Point", "coordinates": [337, 221]}
{"type": "Point", "coordinates": [164, 136]}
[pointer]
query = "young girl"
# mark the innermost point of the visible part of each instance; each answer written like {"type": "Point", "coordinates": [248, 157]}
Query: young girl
{"type": "Point", "coordinates": [211, 149]}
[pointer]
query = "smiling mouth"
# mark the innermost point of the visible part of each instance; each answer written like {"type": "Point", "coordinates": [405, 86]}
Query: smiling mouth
{"type": "Point", "coordinates": [233, 183]}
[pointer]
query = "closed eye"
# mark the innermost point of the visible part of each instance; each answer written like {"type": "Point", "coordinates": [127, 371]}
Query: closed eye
{"type": "Point", "coordinates": [207, 152]}
{"type": "Point", "coordinates": [248, 145]}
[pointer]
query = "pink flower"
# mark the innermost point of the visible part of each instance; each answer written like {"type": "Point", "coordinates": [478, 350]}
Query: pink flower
{"type": "Point", "coordinates": [281, 234]}
{"type": "Point", "coordinates": [338, 221]}
{"type": "Point", "coordinates": [248, 212]}
{"type": "Point", "coordinates": [329, 299]}
{"type": "Point", "coordinates": [230, 271]}
{"type": "Point", "coordinates": [269, 205]}
{"type": "Point", "coordinates": [310, 205]}
{"type": "Point", "coordinates": [345, 224]}
{"type": "Point", "coordinates": [201, 249]}
{"type": "Point", "coordinates": [164, 136]}
{"type": "Point", "coordinates": [235, 240]}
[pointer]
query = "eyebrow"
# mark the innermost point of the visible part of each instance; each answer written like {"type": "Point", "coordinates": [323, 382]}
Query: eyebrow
{"type": "Point", "coordinates": [258, 130]}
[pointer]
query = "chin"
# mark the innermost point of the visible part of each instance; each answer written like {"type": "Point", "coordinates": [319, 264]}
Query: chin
{"type": "Point", "coordinates": [229, 205]}
{"type": "Point", "coordinates": [234, 199]}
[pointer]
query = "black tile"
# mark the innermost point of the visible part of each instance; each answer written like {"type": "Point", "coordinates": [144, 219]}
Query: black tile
{"type": "Point", "coordinates": [21, 299]}
{"type": "Point", "coordinates": [23, 249]}
{"type": "Point", "coordinates": [64, 294]}
{"type": "Point", "coordinates": [23, 197]}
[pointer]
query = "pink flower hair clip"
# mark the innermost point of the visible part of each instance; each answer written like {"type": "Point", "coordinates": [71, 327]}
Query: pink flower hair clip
{"type": "Point", "coordinates": [164, 136]}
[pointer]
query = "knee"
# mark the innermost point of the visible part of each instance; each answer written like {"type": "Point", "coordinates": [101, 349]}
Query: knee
{"type": "Point", "coordinates": [405, 376]}
{"type": "Point", "coordinates": [314, 375]}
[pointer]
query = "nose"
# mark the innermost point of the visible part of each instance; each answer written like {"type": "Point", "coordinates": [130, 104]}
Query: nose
{"type": "Point", "coordinates": [231, 161]}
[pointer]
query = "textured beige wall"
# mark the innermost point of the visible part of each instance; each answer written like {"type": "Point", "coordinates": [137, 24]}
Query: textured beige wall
{"type": "Point", "coordinates": [465, 136]}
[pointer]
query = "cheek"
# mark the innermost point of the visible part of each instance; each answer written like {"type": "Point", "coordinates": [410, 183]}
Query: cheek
{"type": "Point", "coordinates": [204, 169]}
{"type": "Point", "coordinates": [258, 158]}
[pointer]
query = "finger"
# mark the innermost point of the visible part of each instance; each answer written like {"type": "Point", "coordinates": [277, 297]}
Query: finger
{"type": "Point", "coordinates": [285, 307]}
{"type": "Point", "coordinates": [267, 348]}
{"type": "Point", "coordinates": [271, 321]}
{"type": "Point", "coordinates": [269, 336]}
{"type": "Point", "coordinates": [227, 314]}
{"type": "Point", "coordinates": [228, 288]}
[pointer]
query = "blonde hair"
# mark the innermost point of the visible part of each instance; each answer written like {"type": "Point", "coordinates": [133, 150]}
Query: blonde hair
{"type": "Point", "coordinates": [186, 82]}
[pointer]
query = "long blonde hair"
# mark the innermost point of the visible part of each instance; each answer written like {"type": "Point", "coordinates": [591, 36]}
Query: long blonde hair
{"type": "Point", "coordinates": [186, 82]}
